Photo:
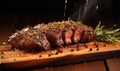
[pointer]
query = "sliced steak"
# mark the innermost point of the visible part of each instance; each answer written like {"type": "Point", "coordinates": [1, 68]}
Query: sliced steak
{"type": "Point", "coordinates": [54, 37]}
{"type": "Point", "coordinates": [67, 36]}
{"type": "Point", "coordinates": [78, 33]}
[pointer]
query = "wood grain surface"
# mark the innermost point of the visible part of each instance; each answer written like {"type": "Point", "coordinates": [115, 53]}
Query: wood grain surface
{"type": "Point", "coordinates": [113, 64]}
{"type": "Point", "coordinates": [16, 59]}
{"type": "Point", "coordinates": [85, 66]}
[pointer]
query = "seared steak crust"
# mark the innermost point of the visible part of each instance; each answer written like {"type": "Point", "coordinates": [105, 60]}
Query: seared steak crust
{"type": "Point", "coordinates": [29, 39]}
{"type": "Point", "coordinates": [53, 34]}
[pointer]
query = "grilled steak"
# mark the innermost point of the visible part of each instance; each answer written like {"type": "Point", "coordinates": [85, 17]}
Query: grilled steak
{"type": "Point", "coordinates": [55, 38]}
{"type": "Point", "coordinates": [53, 34]}
{"type": "Point", "coordinates": [29, 39]}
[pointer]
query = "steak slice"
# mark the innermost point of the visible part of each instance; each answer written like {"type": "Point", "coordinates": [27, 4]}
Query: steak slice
{"type": "Point", "coordinates": [54, 37]}
{"type": "Point", "coordinates": [67, 34]}
{"type": "Point", "coordinates": [78, 33]}
{"type": "Point", "coordinates": [88, 34]}
{"type": "Point", "coordinates": [30, 39]}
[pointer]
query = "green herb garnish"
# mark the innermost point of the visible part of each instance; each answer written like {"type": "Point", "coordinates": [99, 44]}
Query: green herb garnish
{"type": "Point", "coordinates": [107, 35]}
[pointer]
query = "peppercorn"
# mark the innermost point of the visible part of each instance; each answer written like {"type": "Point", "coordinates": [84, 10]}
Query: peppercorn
{"type": "Point", "coordinates": [90, 49]}
{"type": "Point", "coordinates": [57, 53]}
{"type": "Point", "coordinates": [72, 50]}
{"type": "Point", "coordinates": [104, 45]}
{"type": "Point", "coordinates": [1, 52]}
{"type": "Point", "coordinates": [49, 55]}
{"type": "Point", "coordinates": [97, 49]}
{"type": "Point", "coordinates": [14, 59]}
{"type": "Point", "coordinates": [40, 55]}
{"type": "Point", "coordinates": [1, 57]}
{"type": "Point", "coordinates": [96, 45]}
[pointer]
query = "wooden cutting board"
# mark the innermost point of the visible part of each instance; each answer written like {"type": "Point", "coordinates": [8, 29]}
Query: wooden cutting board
{"type": "Point", "coordinates": [17, 59]}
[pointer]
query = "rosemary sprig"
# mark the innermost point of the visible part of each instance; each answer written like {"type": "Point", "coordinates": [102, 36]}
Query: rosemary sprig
{"type": "Point", "coordinates": [107, 35]}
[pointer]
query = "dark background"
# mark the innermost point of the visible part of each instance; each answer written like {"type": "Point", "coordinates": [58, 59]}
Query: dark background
{"type": "Point", "coordinates": [15, 14]}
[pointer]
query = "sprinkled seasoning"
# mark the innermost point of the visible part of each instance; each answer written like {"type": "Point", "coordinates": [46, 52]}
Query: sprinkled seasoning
{"type": "Point", "coordinates": [49, 55]}
{"type": "Point", "coordinates": [57, 53]}
{"type": "Point", "coordinates": [97, 49]}
{"type": "Point", "coordinates": [1, 52]}
{"type": "Point", "coordinates": [1, 57]}
{"type": "Point", "coordinates": [40, 55]}
{"type": "Point", "coordinates": [18, 54]}
{"type": "Point", "coordinates": [96, 45]}
{"type": "Point", "coordinates": [90, 49]}
{"type": "Point", "coordinates": [14, 59]}
{"type": "Point", "coordinates": [4, 43]}
{"type": "Point", "coordinates": [72, 50]}
{"type": "Point", "coordinates": [104, 45]}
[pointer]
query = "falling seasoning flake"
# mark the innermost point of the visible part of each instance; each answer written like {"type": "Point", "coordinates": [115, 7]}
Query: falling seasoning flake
{"type": "Point", "coordinates": [18, 54]}
{"type": "Point", "coordinates": [46, 68]}
{"type": "Point", "coordinates": [114, 25]}
{"type": "Point", "coordinates": [97, 7]}
{"type": "Point", "coordinates": [4, 43]}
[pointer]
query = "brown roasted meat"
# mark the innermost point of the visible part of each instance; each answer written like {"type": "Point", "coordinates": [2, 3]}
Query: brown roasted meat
{"type": "Point", "coordinates": [51, 35]}
{"type": "Point", "coordinates": [55, 38]}
{"type": "Point", "coordinates": [88, 34]}
{"type": "Point", "coordinates": [30, 39]}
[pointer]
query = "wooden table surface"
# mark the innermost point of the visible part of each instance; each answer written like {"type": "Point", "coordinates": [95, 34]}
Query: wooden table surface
{"type": "Point", "coordinates": [109, 61]}
{"type": "Point", "coordinates": [112, 64]}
